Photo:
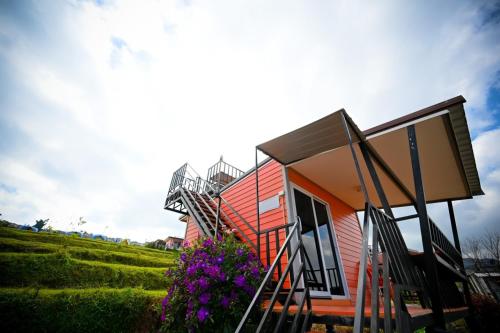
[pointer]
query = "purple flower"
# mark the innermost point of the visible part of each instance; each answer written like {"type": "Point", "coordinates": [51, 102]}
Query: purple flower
{"type": "Point", "coordinates": [212, 271]}
{"type": "Point", "coordinates": [225, 302]}
{"type": "Point", "coordinates": [249, 290]}
{"type": "Point", "coordinates": [191, 270]}
{"type": "Point", "coordinates": [220, 259]}
{"type": "Point", "coordinates": [191, 287]}
{"type": "Point", "coordinates": [255, 272]}
{"type": "Point", "coordinates": [203, 283]}
{"type": "Point", "coordinates": [204, 298]}
{"type": "Point", "coordinates": [240, 281]}
{"type": "Point", "coordinates": [222, 277]}
{"type": "Point", "coordinates": [240, 252]}
{"type": "Point", "coordinates": [202, 314]}
{"type": "Point", "coordinates": [183, 257]}
{"type": "Point", "coordinates": [252, 256]}
{"type": "Point", "coordinates": [208, 242]}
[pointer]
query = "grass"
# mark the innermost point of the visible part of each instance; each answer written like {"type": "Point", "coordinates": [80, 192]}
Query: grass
{"type": "Point", "coordinates": [59, 283]}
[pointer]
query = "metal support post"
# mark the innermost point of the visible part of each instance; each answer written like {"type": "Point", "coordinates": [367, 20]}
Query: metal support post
{"type": "Point", "coordinates": [430, 259]}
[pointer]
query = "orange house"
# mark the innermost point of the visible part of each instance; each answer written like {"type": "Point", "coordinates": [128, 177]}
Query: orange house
{"type": "Point", "coordinates": [299, 213]}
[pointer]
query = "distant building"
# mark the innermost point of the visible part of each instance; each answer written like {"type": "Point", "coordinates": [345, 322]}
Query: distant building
{"type": "Point", "coordinates": [173, 243]}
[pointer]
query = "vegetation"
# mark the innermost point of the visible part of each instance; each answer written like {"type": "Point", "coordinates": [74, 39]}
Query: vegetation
{"type": "Point", "coordinates": [57, 283]}
{"type": "Point", "coordinates": [211, 287]}
{"type": "Point", "coordinates": [486, 246]}
{"type": "Point", "coordinates": [40, 224]}
{"type": "Point", "coordinates": [79, 310]}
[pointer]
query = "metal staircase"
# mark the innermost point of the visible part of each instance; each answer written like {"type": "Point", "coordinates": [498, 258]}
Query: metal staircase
{"type": "Point", "coordinates": [189, 194]}
{"type": "Point", "coordinates": [282, 287]}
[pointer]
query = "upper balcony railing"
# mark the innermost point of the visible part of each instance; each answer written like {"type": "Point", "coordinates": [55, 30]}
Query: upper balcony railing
{"type": "Point", "coordinates": [222, 173]}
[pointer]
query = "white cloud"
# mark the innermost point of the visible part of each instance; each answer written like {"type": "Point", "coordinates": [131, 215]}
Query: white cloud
{"type": "Point", "coordinates": [110, 123]}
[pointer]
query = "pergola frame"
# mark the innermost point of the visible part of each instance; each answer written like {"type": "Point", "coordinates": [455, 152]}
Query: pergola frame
{"type": "Point", "coordinates": [418, 202]}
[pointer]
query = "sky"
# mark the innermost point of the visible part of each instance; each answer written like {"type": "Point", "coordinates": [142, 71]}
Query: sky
{"type": "Point", "coordinates": [100, 101]}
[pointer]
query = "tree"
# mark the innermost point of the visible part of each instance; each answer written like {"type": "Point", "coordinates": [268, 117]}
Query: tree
{"type": "Point", "coordinates": [490, 242]}
{"type": "Point", "coordinates": [40, 224]}
{"type": "Point", "coordinates": [79, 223]}
{"type": "Point", "coordinates": [472, 249]}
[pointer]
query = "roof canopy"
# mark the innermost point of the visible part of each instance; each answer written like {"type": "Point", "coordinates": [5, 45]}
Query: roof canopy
{"type": "Point", "coordinates": [320, 152]}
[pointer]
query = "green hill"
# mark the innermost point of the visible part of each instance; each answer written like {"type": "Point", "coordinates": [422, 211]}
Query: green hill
{"type": "Point", "coordinates": [57, 283]}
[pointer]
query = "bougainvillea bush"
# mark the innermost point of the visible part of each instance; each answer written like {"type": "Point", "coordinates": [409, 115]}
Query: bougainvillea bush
{"type": "Point", "coordinates": [211, 287]}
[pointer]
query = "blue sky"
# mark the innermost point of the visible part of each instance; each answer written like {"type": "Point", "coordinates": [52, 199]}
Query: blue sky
{"type": "Point", "coordinates": [101, 101]}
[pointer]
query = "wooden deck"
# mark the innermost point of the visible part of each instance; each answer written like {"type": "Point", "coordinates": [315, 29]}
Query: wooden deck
{"type": "Point", "coordinates": [334, 312]}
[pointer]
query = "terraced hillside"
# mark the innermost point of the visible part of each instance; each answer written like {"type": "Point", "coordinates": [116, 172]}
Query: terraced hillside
{"type": "Point", "coordinates": [57, 283]}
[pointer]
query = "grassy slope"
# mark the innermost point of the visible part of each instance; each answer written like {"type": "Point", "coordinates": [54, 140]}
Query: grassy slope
{"type": "Point", "coordinates": [61, 283]}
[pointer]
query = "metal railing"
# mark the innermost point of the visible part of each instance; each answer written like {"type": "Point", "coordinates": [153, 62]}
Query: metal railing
{"type": "Point", "coordinates": [186, 178]}
{"type": "Point", "coordinates": [295, 257]}
{"type": "Point", "coordinates": [222, 173]}
{"type": "Point", "coordinates": [332, 274]}
{"type": "Point", "coordinates": [443, 245]}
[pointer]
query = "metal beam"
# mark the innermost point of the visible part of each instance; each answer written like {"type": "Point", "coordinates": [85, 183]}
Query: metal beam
{"type": "Point", "coordinates": [375, 179]}
{"type": "Point", "coordinates": [355, 158]}
{"type": "Point", "coordinates": [430, 259]}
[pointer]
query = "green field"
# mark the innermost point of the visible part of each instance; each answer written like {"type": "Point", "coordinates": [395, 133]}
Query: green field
{"type": "Point", "coordinates": [57, 283]}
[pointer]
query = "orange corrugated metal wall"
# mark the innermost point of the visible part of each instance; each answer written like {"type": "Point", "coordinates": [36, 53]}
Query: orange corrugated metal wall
{"type": "Point", "coordinates": [242, 197]}
{"type": "Point", "coordinates": [192, 232]}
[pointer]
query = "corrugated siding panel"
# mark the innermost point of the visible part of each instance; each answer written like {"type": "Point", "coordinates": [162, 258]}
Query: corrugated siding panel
{"type": "Point", "coordinates": [347, 230]}
{"type": "Point", "coordinates": [241, 196]}
{"type": "Point", "coordinates": [192, 232]}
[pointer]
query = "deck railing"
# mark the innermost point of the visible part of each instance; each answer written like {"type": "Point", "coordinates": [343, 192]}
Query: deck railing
{"type": "Point", "coordinates": [222, 173]}
{"type": "Point", "coordinates": [444, 246]}
{"type": "Point", "coordinates": [295, 262]}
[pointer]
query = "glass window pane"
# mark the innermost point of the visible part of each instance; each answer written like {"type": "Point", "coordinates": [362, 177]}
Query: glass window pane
{"type": "Point", "coordinates": [329, 254]}
{"type": "Point", "coordinates": [314, 265]}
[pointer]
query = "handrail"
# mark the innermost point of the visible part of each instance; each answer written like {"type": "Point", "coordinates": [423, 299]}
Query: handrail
{"type": "Point", "coordinates": [298, 251]}
{"type": "Point", "coordinates": [222, 198]}
{"type": "Point", "coordinates": [442, 243]}
{"type": "Point", "coordinates": [187, 177]}
{"type": "Point", "coordinates": [191, 172]}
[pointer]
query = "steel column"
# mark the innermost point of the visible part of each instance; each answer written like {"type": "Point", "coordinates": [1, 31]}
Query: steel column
{"type": "Point", "coordinates": [430, 259]}
{"type": "Point", "coordinates": [217, 220]}
{"type": "Point", "coordinates": [454, 226]}
{"type": "Point", "coordinates": [468, 299]}
{"type": "Point", "coordinates": [375, 179]}
{"type": "Point", "coordinates": [359, 316]}
{"type": "Point", "coordinates": [257, 200]}
{"type": "Point", "coordinates": [375, 279]}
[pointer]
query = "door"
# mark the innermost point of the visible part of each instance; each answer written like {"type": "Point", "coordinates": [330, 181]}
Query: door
{"type": "Point", "coordinates": [320, 255]}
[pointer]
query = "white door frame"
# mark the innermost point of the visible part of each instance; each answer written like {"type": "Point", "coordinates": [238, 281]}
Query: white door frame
{"type": "Point", "coordinates": [315, 293]}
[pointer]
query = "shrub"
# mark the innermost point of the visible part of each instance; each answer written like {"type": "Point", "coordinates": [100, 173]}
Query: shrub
{"type": "Point", "coordinates": [74, 310]}
{"type": "Point", "coordinates": [212, 286]}
{"type": "Point", "coordinates": [59, 270]}
{"type": "Point", "coordinates": [487, 312]}
{"type": "Point", "coordinates": [134, 259]}
{"type": "Point", "coordinates": [64, 240]}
